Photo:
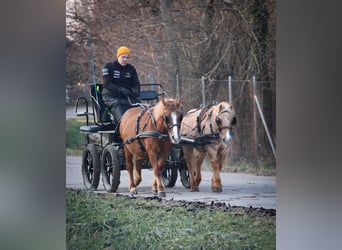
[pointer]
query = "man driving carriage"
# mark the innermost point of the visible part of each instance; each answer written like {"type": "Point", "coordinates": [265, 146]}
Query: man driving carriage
{"type": "Point", "coordinates": [121, 84]}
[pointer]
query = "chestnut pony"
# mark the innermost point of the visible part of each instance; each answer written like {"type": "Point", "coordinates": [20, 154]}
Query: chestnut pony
{"type": "Point", "coordinates": [214, 123]}
{"type": "Point", "coordinates": [149, 133]}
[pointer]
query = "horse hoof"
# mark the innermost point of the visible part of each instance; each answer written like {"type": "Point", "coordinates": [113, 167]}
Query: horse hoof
{"type": "Point", "coordinates": [133, 191]}
{"type": "Point", "coordinates": [162, 194]}
{"type": "Point", "coordinates": [195, 189]}
{"type": "Point", "coordinates": [155, 192]}
{"type": "Point", "coordinates": [216, 190]}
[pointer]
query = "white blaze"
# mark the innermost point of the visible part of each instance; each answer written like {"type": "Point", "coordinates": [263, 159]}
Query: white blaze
{"type": "Point", "coordinates": [174, 127]}
{"type": "Point", "coordinates": [227, 137]}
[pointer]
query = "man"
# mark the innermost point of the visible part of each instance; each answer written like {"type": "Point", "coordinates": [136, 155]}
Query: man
{"type": "Point", "coordinates": [121, 84]}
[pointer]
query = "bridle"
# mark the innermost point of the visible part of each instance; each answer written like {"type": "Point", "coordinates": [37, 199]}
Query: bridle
{"type": "Point", "coordinates": [167, 120]}
{"type": "Point", "coordinates": [218, 122]}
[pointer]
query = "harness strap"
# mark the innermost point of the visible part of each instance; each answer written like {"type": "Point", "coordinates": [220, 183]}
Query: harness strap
{"type": "Point", "coordinates": [146, 134]}
{"type": "Point", "coordinates": [211, 124]}
{"type": "Point", "coordinates": [152, 118]}
{"type": "Point", "coordinates": [137, 131]}
{"type": "Point", "coordinates": [201, 116]}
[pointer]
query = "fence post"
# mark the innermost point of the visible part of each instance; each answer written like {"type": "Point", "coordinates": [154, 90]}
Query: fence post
{"type": "Point", "coordinates": [230, 89]}
{"type": "Point", "coordinates": [265, 126]}
{"type": "Point", "coordinates": [203, 91]}
{"type": "Point", "coordinates": [231, 159]}
{"type": "Point", "coordinates": [177, 86]}
{"type": "Point", "coordinates": [255, 124]}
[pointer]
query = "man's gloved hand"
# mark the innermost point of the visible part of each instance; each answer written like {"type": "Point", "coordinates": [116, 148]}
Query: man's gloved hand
{"type": "Point", "coordinates": [125, 92]}
{"type": "Point", "coordinates": [135, 93]}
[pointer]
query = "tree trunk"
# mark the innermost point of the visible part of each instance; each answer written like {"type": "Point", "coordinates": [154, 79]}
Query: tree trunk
{"type": "Point", "coordinates": [172, 56]}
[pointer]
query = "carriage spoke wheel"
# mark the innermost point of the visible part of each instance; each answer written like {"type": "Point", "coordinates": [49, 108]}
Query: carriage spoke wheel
{"type": "Point", "coordinates": [110, 169]}
{"type": "Point", "coordinates": [183, 171]}
{"type": "Point", "coordinates": [91, 166]}
{"type": "Point", "coordinates": [170, 174]}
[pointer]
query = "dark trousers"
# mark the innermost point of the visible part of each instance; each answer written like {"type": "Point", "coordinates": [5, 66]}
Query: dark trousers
{"type": "Point", "coordinates": [118, 110]}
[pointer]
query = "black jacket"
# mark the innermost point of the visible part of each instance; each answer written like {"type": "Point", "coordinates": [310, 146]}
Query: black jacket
{"type": "Point", "coordinates": [115, 78]}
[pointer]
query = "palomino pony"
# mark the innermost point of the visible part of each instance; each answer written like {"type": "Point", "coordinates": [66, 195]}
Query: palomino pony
{"type": "Point", "coordinates": [149, 134]}
{"type": "Point", "coordinates": [214, 123]}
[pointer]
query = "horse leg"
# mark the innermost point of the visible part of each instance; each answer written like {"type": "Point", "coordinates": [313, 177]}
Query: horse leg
{"type": "Point", "coordinates": [154, 185]}
{"type": "Point", "coordinates": [129, 167]}
{"type": "Point", "coordinates": [216, 185]}
{"type": "Point", "coordinates": [157, 185]}
{"type": "Point", "coordinates": [157, 179]}
{"type": "Point", "coordinates": [199, 160]}
{"type": "Point", "coordinates": [137, 172]}
{"type": "Point", "coordinates": [188, 153]}
{"type": "Point", "coordinates": [158, 173]}
{"type": "Point", "coordinates": [216, 161]}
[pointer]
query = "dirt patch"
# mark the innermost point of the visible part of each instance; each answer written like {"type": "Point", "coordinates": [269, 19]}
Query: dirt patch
{"type": "Point", "coordinates": [194, 205]}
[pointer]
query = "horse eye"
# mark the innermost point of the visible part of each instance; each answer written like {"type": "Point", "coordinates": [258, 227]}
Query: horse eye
{"type": "Point", "coordinates": [166, 119]}
{"type": "Point", "coordinates": [234, 121]}
{"type": "Point", "coordinates": [218, 120]}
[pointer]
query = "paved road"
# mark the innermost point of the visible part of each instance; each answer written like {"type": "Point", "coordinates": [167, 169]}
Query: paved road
{"type": "Point", "coordinates": [238, 189]}
{"type": "Point", "coordinates": [70, 111]}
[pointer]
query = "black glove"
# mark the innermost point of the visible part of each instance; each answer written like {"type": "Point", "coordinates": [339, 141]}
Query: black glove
{"type": "Point", "coordinates": [135, 93]}
{"type": "Point", "coordinates": [125, 92]}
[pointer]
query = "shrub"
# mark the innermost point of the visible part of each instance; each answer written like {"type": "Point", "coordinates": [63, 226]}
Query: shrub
{"type": "Point", "coordinates": [74, 139]}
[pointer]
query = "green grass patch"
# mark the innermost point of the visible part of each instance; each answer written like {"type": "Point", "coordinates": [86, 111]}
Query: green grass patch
{"type": "Point", "coordinates": [102, 221]}
{"type": "Point", "coordinates": [74, 139]}
{"type": "Point", "coordinates": [264, 168]}
{"type": "Point", "coordinates": [74, 152]}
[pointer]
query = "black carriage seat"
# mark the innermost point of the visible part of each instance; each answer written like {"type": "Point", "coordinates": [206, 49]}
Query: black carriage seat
{"type": "Point", "coordinates": [102, 118]}
{"type": "Point", "coordinates": [148, 95]}
{"type": "Point", "coordinates": [102, 113]}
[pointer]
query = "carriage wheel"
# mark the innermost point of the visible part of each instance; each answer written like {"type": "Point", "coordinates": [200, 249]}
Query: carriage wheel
{"type": "Point", "coordinates": [183, 171]}
{"type": "Point", "coordinates": [169, 175]}
{"type": "Point", "coordinates": [110, 169]}
{"type": "Point", "coordinates": [91, 166]}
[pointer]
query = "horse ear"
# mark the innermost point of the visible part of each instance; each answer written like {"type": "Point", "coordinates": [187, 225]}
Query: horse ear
{"type": "Point", "coordinates": [180, 101]}
{"type": "Point", "coordinates": [220, 107]}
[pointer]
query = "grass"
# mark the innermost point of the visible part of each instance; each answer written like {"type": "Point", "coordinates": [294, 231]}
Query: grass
{"type": "Point", "coordinates": [102, 221]}
{"type": "Point", "coordinates": [264, 168]}
{"type": "Point", "coordinates": [74, 139]}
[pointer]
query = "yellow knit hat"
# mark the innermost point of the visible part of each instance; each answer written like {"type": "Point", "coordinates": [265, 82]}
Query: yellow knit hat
{"type": "Point", "coordinates": [123, 50]}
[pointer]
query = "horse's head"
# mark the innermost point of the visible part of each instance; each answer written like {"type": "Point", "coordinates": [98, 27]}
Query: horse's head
{"type": "Point", "coordinates": [172, 118]}
{"type": "Point", "coordinates": [225, 120]}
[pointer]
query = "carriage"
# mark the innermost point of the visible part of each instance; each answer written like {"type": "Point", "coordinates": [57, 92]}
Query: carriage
{"type": "Point", "coordinates": [105, 155]}
{"type": "Point", "coordinates": [204, 132]}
